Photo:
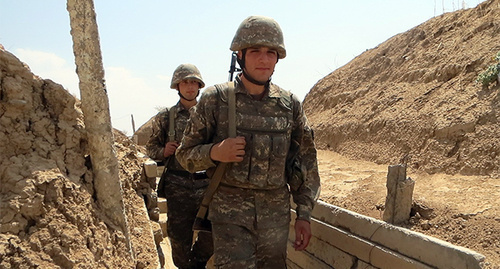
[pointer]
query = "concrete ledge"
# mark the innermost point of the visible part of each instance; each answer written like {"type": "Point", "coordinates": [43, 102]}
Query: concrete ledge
{"type": "Point", "coordinates": [324, 251]}
{"type": "Point", "coordinates": [341, 249]}
{"type": "Point", "coordinates": [428, 250]}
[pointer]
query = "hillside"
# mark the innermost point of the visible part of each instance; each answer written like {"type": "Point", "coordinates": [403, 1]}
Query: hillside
{"type": "Point", "coordinates": [414, 97]}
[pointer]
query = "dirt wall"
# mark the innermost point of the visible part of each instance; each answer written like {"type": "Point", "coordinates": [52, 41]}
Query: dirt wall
{"type": "Point", "coordinates": [49, 217]}
{"type": "Point", "coordinates": [414, 98]}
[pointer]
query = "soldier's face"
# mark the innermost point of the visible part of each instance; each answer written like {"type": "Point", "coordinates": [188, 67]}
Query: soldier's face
{"type": "Point", "coordinates": [189, 88]}
{"type": "Point", "coordinates": [260, 62]}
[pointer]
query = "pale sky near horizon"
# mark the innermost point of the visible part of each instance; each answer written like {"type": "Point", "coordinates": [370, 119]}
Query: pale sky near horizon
{"type": "Point", "coordinates": [142, 42]}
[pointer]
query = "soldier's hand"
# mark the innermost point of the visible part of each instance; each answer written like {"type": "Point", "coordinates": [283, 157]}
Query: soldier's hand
{"type": "Point", "coordinates": [170, 148]}
{"type": "Point", "coordinates": [302, 234]}
{"type": "Point", "coordinates": [229, 150]}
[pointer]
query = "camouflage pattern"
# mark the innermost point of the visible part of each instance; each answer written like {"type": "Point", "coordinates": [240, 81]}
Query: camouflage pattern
{"type": "Point", "coordinates": [183, 203]}
{"type": "Point", "coordinates": [184, 195]}
{"type": "Point", "coordinates": [237, 249]}
{"type": "Point", "coordinates": [159, 136]}
{"type": "Point", "coordinates": [270, 126]}
{"type": "Point", "coordinates": [259, 31]}
{"type": "Point", "coordinates": [186, 71]}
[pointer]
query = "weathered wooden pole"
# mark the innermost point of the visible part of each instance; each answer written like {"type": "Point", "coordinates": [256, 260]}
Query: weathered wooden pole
{"type": "Point", "coordinates": [133, 124]}
{"type": "Point", "coordinates": [95, 107]}
{"type": "Point", "coordinates": [399, 195]}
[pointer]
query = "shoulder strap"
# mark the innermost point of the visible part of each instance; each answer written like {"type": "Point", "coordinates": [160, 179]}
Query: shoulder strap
{"type": "Point", "coordinates": [231, 100]}
{"type": "Point", "coordinates": [171, 124]}
{"type": "Point", "coordinates": [221, 167]}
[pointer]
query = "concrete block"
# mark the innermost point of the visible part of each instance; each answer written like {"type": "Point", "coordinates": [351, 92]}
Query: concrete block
{"type": "Point", "coordinates": [329, 254]}
{"type": "Point", "coordinates": [426, 249]}
{"type": "Point", "coordinates": [384, 258]}
{"type": "Point", "coordinates": [363, 265]}
{"type": "Point", "coordinates": [342, 240]}
{"type": "Point", "coordinates": [430, 250]}
{"type": "Point", "coordinates": [150, 168]}
{"type": "Point", "coordinates": [305, 260]}
{"type": "Point", "coordinates": [163, 224]}
{"type": "Point", "coordinates": [162, 205]}
{"type": "Point", "coordinates": [159, 171]}
{"type": "Point", "coordinates": [157, 232]}
{"type": "Point", "coordinates": [291, 265]}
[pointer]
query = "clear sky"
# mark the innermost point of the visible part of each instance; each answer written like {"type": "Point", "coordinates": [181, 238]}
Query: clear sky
{"type": "Point", "coordinates": [142, 42]}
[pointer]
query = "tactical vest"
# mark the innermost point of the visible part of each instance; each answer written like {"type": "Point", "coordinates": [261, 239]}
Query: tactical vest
{"type": "Point", "coordinates": [266, 126]}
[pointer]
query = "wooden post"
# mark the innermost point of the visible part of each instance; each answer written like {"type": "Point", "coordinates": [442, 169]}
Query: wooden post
{"type": "Point", "coordinates": [95, 107]}
{"type": "Point", "coordinates": [133, 124]}
{"type": "Point", "coordinates": [399, 195]}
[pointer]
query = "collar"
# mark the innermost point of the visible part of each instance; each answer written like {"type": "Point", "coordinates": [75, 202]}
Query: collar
{"type": "Point", "coordinates": [180, 106]}
{"type": "Point", "coordinates": [272, 91]}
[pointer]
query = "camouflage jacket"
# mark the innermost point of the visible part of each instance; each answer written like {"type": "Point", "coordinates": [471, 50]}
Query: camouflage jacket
{"type": "Point", "coordinates": [159, 137]}
{"type": "Point", "coordinates": [270, 126]}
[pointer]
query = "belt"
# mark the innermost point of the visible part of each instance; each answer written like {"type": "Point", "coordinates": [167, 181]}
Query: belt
{"type": "Point", "coordinates": [181, 173]}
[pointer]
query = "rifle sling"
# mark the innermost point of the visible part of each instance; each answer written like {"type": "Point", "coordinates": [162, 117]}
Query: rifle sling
{"type": "Point", "coordinates": [171, 134]}
{"type": "Point", "coordinates": [171, 124]}
{"type": "Point", "coordinates": [221, 167]}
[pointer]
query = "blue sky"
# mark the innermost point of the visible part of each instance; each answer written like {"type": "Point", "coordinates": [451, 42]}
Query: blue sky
{"type": "Point", "coordinates": [142, 42]}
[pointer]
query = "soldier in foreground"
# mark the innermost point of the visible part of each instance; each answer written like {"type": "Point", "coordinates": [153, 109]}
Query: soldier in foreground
{"type": "Point", "coordinates": [250, 211]}
{"type": "Point", "coordinates": [182, 189]}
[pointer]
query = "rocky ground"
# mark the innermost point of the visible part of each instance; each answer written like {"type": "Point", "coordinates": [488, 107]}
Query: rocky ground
{"type": "Point", "coordinates": [462, 210]}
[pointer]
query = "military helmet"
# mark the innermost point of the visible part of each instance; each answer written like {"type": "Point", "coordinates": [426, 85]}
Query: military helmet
{"type": "Point", "coordinates": [186, 71]}
{"type": "Point", "coordinates": [259, 31]}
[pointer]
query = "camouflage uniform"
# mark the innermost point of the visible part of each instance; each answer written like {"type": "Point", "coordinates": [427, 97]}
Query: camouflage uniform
{"type": "Point", "coordinates": [250, 212]}
{"type": "Point", "coordinates": [184, 192]}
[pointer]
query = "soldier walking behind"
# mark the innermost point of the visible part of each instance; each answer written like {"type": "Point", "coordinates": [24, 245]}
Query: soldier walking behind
{"type": "Point", "coordinates": [183, 190]}
{"type": "Point", "coordinates": [250, 211]}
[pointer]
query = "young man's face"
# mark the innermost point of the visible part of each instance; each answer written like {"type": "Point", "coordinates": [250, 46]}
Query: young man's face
{"type": "Point", "coordinates": [260, 62]}
{"type": "Point", "coordinates": [189, 88]}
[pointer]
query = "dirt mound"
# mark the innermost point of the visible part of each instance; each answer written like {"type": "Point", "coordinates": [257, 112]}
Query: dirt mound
{"type": "Point", "coordinates": [414, 98]}
{"type": "Point", "coordinates": [49, 217]}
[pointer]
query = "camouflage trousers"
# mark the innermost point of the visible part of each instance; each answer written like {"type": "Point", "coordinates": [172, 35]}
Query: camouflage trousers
{"type": "Point", "coordinates": [239, 247]}
{"type": "Point", "coordinates": [182, 205]}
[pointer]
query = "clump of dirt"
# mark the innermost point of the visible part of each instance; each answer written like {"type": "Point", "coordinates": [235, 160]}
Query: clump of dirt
{"type": "Point", "coordinates": [413, 99]}
{"type": "Point", "coordinates": [49, 217]}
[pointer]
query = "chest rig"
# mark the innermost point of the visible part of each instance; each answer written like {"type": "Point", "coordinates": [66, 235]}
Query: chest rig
{"type": "Point", "coordinates": [266, 125]}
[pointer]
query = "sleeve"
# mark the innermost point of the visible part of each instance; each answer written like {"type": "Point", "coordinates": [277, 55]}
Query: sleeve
{"type": "Point", "coordinates": [306, 195]}
{"type": "Point", "coordinates": [157, 140]}
{"type": "Point", "coordinates": [194, 151]}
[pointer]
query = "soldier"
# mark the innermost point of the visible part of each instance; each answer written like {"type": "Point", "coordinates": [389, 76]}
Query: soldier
{"type": "Point", "coordinates": [250, 211]}
{"type": "Point", "coordinates": [183, 190]}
